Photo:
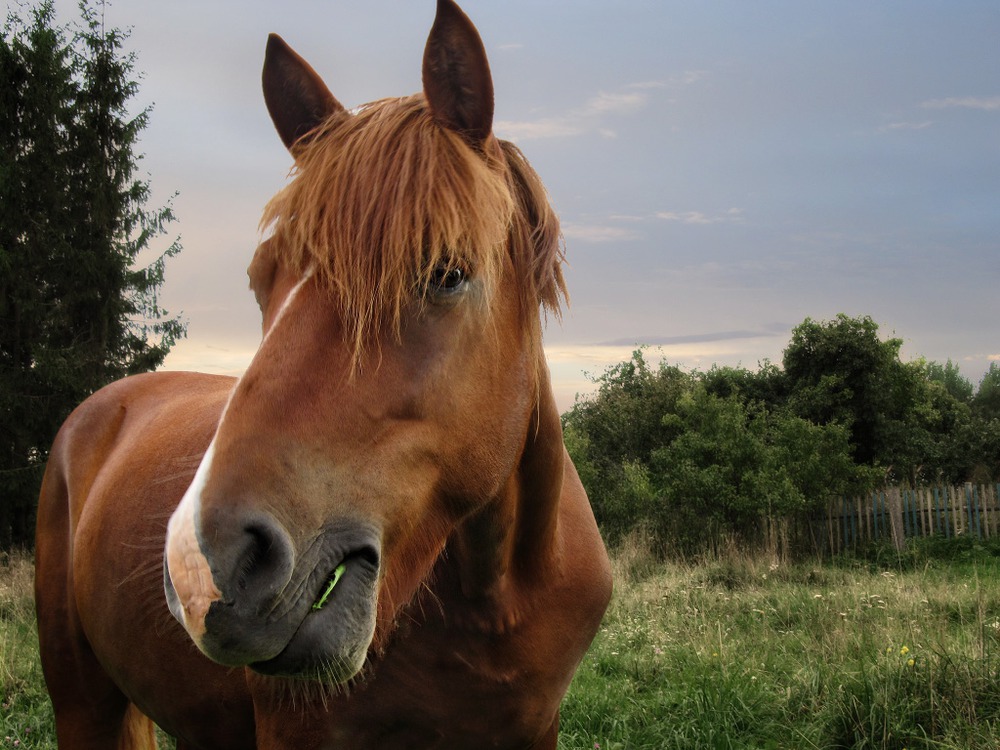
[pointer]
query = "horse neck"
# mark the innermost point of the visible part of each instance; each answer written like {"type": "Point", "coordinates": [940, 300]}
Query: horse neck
{"type": "Point", "coordinates": [512, 543]}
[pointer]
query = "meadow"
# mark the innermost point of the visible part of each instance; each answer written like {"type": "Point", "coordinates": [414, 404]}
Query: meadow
{"type": "Point", "coordinates": [738, 651]}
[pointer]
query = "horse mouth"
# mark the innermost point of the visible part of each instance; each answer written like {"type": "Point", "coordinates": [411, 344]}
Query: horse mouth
{"type": "Point", "coordinates": [317, 626]}
{"type": "Point", "coordinates": [331, 643]}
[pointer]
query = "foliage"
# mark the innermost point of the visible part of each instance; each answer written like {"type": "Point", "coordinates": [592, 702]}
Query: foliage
{"type": "Point", "coordinates": [661, 449]}
{"type": "Point", "coordinates": [978, 440]}
{"type": "Point", "coordinates": [697, 457]}
{"type": "Point", "coordinates": [913, 421]}
{"type": "Point", "coordinates": [949, 375]}
{"type": "Point", "coordinates": [76, 311]}
{"type": "Point", "coordinates": [840, 371]}
{"type": "Point", "coordinates": [766, 385]}
{"type": "Point", "coordinates": [738, 467]}
{"type": "Point", "coordinates": [612, 436]}
{"type": "Point", "coordinates": [986, 404]}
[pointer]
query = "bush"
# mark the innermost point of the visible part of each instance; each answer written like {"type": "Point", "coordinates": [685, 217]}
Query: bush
{"type": "Point", "coordinates": [660, 450]}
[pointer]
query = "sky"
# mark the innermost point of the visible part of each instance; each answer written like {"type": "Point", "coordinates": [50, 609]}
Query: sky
{"type": "Point", "coordinates": [722, 169]}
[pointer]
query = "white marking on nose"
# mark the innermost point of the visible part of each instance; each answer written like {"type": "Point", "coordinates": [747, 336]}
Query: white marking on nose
{"type": "Point", "coordinates": [186, 564]}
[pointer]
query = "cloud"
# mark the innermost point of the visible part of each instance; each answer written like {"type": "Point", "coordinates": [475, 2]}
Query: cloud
{"type": "Point", "coordinates": [647, 85]}
{"type": "Point", "coordinates": [608, 229]}
{"type": "Point", "coordinates": [988, 103]}
{"type": "Point", "coordinates": [686, 78]}
{"type": "Point", "coordinates": [895, 126]}
{"type": "Point", "coordinates": [598, 233]}
{"type": "Point", "coordinates": [699, 218]}
{"type": "Point", "coordinates": [526, 130]}
{"type": "Point", "coordinates": [697, 338]}
{"type": "Point", "coordinates": [570, 362]}
{"type": "Point", "coordinates": [613, 103]}
{"type": "Point", "coordinates": [592, 115]}
{"type": "Point", "coordinates": [588, 118]}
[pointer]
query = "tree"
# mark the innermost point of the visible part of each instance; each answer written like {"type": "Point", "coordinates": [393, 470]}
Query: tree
{"type": "Point", "coordinates": [623, 422]}
{"type": "Point", "coordinates": [766, 385]}
{"type": "Point", "coordinates": [841, 371]}
{"type": "Point", "coordinates": [985, 428]}
{"type": "Point", "coordinates": [951, 378]}
{"type": "Point", "coordinates": [690, 456]}
{"type": "Point", "coordinates": [738, 468]}
{"type": "Point", "coordinates": [986, 402]}
{"type": "Point", "coordinates": [662, 449]}
{"type": "Point", "coordinates": [611, 437]}
{"type": "Point", "coordinates": [75, 312]}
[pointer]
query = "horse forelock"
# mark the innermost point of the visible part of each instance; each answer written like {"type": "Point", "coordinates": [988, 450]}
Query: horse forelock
{"type": "Point", "coordinates": [384, 196]}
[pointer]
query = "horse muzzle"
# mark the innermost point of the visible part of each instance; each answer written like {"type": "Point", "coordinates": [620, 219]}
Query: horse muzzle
{"type": "Point", "coordinates": [247, 596]}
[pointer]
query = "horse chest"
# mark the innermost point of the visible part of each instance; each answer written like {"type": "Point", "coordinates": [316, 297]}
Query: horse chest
{"type": "Point", "coordinates": [453, 690]}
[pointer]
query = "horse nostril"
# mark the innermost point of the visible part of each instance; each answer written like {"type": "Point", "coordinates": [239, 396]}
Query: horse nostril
{"type": "Point", "coordinates": [265, 560]}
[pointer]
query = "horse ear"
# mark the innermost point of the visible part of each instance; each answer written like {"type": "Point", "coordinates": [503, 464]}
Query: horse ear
{"type": "Point", "coordinates": [456, 75]}
{"type": "Point", "coordinates": [296, 97]}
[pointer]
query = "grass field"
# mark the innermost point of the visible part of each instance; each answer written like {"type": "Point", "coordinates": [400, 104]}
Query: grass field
{"type": "Point", "coordinates": [734, 653]}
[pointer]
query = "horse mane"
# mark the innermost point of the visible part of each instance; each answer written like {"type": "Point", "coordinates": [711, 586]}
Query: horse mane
{"type": "Point", "coordinates": [383, 197]}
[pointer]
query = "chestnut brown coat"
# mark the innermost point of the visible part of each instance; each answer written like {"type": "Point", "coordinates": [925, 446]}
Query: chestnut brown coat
{"type": "Point", "coordinates": [374, 538]}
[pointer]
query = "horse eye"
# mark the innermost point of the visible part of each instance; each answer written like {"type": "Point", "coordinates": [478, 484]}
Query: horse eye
{"type": "Point", "coordinates": [447, 280]}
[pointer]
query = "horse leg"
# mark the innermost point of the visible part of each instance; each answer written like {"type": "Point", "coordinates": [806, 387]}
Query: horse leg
{"type": "Point", "coordinates": [91, 712]}
{"type": "Point", "coordinates": [549, 740]}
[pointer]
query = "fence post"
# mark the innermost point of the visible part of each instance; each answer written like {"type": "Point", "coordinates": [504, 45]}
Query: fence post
{"type": "Point", "coordinates": [894, 501]}
{"type": "Point", "coordinates": [843, 524]}
{"type": "Point", "coordinates": [974, 496]}
{"type": "Point", "coordinates": [984, 508]}
{"type": "Point", "coordinates": [853, 521]}
{"type": "Point", "coordinates": [937, 508]}
{"type": "Point", "coordinates": [995, 489]}
{"type": "Point", "coordinates": [958, 516]}
{"type": "Point", "coordinates": [968, 507]}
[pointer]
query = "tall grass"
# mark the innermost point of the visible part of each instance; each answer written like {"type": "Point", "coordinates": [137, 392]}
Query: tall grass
{"type": "Point", "coordinates": [749, 653]}
{"type": "Point", "coordinates": [736, 652]}
{"type": "Point", "coordinates": [25, 713]}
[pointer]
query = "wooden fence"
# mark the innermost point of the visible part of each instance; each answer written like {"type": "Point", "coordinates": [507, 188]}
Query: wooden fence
{"type": "Point", "coordinates": [898, 514]}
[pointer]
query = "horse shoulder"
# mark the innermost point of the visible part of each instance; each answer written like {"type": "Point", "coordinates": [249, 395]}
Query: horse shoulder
{"type": "Point", "coordinates": [586, 568]}
{"type": "Point", "coordinates": [123, 418]}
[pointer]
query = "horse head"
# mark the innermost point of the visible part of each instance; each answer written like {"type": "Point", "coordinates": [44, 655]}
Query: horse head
{"type": "Point", "coordinates": [398, 380]}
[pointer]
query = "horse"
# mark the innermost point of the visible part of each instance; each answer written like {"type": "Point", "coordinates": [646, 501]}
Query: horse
{"type": "Point", "coordinates": [373, 538]}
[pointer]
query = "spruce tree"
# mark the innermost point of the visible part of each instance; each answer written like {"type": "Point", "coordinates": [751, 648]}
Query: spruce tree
{"type": "Point", "coordinates": [75, 311]}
